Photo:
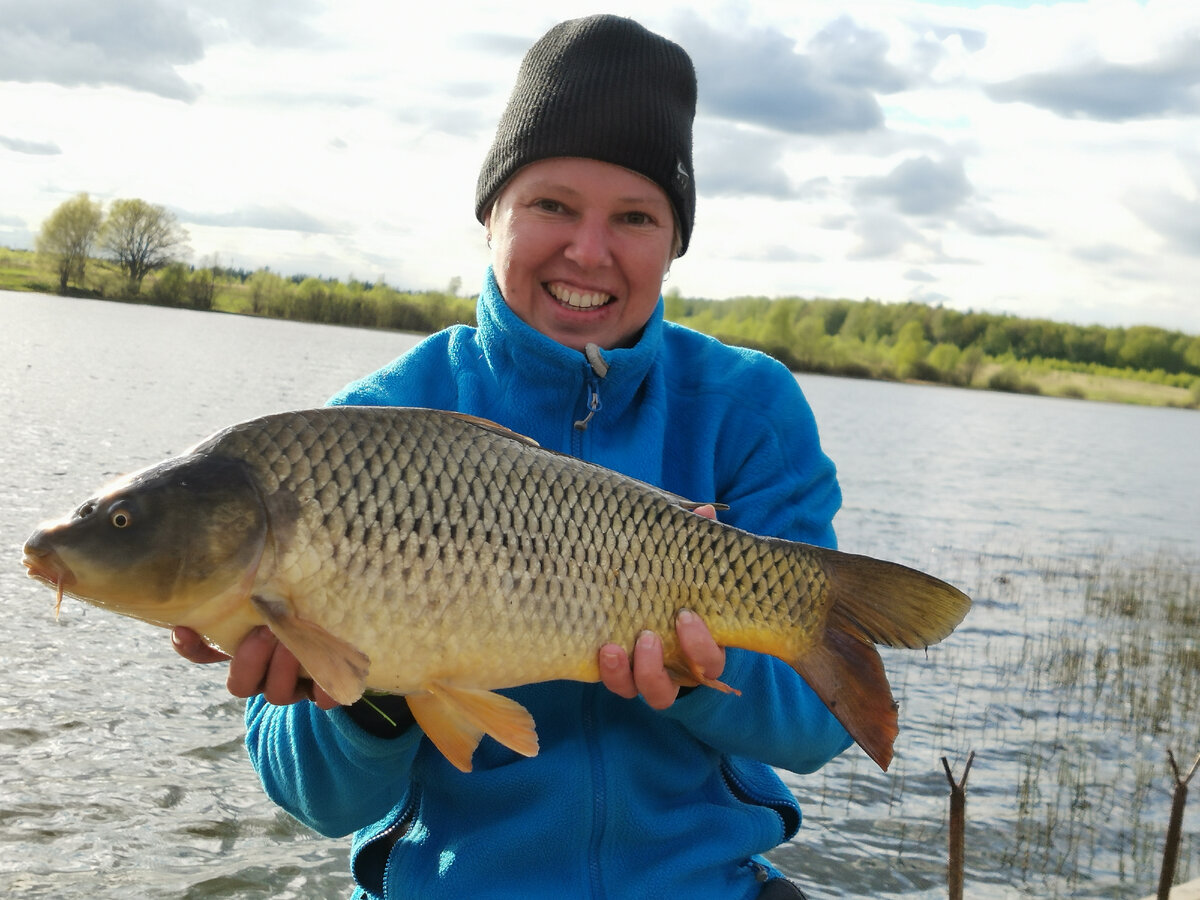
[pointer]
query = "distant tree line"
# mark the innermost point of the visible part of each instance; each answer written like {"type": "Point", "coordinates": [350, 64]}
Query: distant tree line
{"type": "Point", "coordinates": [140, 238]}
{"type": "Point", "coordinates": [137, 236]}
{"type": "Point", "coordinates": [914, 340]}
{"type": "Point", "coordinates": [867, 338]}
{"type": "Point", "coordinates": [370, 305]}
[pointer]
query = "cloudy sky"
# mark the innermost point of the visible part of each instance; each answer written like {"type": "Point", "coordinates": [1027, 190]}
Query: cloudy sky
{"type": "Point", "coordinates": [1038, 158]}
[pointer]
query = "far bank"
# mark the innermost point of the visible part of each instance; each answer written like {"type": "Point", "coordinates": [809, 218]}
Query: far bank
{"type": "Point", "coordinates": [903, 342]}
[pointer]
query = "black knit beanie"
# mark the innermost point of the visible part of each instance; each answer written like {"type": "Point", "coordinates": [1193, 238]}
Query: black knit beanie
{"type": "Point", "coordinates": [604, 88]}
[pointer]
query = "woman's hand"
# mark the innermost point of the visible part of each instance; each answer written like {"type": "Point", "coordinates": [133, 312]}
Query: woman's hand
{"type": "Point", "coordinates": [260, 665]}
{"type": "Point", "coordinates": [647, 675]}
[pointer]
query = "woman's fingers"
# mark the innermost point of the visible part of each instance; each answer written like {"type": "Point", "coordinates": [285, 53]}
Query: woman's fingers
{"type": "Point", "coordinates": [191, 646]}
{"type": "Point", "coordinates": [615, 671]}
{"type": "Point", "coordinates": [261, 665]}
{"type": "Point", "coordinates": [698, 645]}
{"type": "Point", "coordinates": [648, 673]}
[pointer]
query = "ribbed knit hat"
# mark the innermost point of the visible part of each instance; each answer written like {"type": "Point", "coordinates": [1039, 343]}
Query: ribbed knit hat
{"type": "Point", "coordinates": [604, 88]}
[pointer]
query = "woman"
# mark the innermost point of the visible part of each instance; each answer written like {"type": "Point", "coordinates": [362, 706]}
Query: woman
{"type": "Point", "coordinates": [639, 789]}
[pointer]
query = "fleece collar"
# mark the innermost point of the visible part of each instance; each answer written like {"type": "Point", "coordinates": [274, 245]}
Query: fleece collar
{"type": "Point", "coordinates": [555, 374]}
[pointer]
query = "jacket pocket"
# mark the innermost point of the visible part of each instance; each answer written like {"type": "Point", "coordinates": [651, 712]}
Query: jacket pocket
{"type": "Point", "coordinates": [369, 864]}
{"type": "Point", "coordinates": [755, 784]}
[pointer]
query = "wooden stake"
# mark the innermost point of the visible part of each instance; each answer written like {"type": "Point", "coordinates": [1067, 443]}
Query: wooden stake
{"type": "Point", "coordinates": [958, 827]}
{"type": "Point", "coordinates": [1171, 851]}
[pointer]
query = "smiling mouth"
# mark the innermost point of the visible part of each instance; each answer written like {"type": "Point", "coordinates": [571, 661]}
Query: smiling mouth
{"type": "Point", "coordinates": [578, 299]}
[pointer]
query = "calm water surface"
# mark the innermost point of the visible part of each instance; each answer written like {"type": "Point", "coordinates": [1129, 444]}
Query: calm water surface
{"type": "Point", "coordinates": [121, 768]}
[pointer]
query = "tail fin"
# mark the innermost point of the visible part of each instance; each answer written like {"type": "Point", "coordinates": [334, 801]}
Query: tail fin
{"type": "Point", "coordinates": [874, 602]}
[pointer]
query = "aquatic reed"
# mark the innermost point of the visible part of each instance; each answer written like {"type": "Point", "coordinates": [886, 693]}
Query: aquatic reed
{"type": "Point", "coordinates": [1070, 678]}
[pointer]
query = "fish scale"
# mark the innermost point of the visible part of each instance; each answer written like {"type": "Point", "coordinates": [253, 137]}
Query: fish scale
{"type": "Point", "coordinates": [442, 557]}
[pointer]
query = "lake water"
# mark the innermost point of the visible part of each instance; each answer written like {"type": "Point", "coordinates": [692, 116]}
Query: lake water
{"type": "Point", "coordinates": [121, 767]}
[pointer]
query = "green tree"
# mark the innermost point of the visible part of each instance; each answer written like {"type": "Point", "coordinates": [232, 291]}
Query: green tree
{"type": "Point", "coordinates": [266, 292]}
{"type": "Point", "coordinates": [996, 339]}
{"type": "Point", "coordinates": [1148, 348]}
{"type": "Point", "coordinates": [202, 284]}
{"type": "Point", "coordinates": [1191, 355]}
{"type": "Point", "coordinates": [945, 358]}
{"type": "Point", "coordinates": [170, 287]}
{"type": "Point", "coordinates": [910, 350]}
{"type": "Point", "coordinates": [141, 237]}
{"type": "Point", "coordinates": [69, 234]}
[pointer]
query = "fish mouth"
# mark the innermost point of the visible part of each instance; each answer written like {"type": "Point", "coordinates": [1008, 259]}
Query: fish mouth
{"type": "Point", "coordinates": [573, 299]}
{"type": "Point", "coordinates": [45, 565]}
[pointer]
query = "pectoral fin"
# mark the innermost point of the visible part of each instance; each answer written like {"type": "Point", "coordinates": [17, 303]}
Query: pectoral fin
{"type": "Point", "coordinates": [456, 718]}
{"type": "Point", "coordinates": [337, 666]}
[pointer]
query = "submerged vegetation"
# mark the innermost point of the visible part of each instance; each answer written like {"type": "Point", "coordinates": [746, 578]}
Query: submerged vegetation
{"type": "Point", "coordinates": [1130, 669]}
{"type": "Point", "coordinates": [1070, 681]}
{"type": "Point", "coordinates": [865, 339]}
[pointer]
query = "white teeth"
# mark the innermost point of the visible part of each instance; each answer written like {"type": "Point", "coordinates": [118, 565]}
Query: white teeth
{"type": "Point", "coordinates": [577, 300]}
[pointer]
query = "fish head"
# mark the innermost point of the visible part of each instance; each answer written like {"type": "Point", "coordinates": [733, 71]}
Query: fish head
{"type": "Point", "coordinates": [157, 544]}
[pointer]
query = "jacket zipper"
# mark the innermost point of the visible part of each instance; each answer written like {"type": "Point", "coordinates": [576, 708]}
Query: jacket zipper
{"type": "Point", "coordinates": [788, 820]}
{"type": "Point", "coordinates": [385, 842]}
{"type": "Point", "coordinates": [594, 369]}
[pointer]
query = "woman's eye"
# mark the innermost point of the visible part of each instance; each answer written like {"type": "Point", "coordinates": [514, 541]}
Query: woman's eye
{"type": "Point", "coordinates": [638, 218]}
{"type": "Point", "coordinates": [548, 205]}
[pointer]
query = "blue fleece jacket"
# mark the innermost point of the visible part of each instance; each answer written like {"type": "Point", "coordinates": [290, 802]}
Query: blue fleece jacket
{"type": "Point", "coordinates": [622, 801]}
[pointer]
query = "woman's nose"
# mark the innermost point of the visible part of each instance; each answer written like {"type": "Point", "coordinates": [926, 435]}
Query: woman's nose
{"type": "Point", "coordinates": [589, 244]}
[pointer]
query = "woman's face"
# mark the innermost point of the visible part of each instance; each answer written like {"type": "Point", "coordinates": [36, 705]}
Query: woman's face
{"type": "Point", "coordinates": [580, 248]}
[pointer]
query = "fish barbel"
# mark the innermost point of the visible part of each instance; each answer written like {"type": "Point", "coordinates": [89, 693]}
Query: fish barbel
{"type": "Point", "coordinates": [443, 557]}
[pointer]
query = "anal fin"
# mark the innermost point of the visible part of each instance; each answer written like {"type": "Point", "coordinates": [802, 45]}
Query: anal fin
{"type": "Point", "coordinates": [336, 665]}
{"type": "Point", "coordinates": [456, 718]}
{"type": "Point", "coordinates": [847, 674]}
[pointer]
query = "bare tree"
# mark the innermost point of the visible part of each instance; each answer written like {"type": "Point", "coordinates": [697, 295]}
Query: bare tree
{"type": "Point", "coordinates": [69, 234]}
{"type": "Point", "coordinates": [142, 237]}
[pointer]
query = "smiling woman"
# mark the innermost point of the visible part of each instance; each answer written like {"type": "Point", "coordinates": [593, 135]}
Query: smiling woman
{"type": "Point", "coordinates": [580, 248]}
{"type": "Point", "coordinates": [645, 785]}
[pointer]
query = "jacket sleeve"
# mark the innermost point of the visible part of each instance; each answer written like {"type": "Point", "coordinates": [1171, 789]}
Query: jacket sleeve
{"type": "Point", "coordinates": [325, 769]}
{"type": "Point", "coordinates": [769, 464]}
{"type": "Point", "coordinates": [771, 470]}
{"type": "Point", "coordinates": [424, 376]}
{"type": "Point", "coordinates": [778, 719]}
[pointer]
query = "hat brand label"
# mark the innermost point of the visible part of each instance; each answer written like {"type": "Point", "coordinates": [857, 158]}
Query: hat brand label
{"type": "Point", "coordinates": [681, 174]}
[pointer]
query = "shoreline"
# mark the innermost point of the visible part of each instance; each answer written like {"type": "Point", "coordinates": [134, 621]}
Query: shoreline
{"type": "Point", "coordinates": [1018, 376]}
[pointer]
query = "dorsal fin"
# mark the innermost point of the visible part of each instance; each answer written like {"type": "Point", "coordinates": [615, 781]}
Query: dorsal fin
{"type": "Point", "coordinates": [491, 426]}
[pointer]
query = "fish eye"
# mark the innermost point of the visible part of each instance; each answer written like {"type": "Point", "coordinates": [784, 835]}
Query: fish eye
{"type": "Point", "coordinates": [120, 518]}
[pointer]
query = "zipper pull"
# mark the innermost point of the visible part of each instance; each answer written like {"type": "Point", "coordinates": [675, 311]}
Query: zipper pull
{"type": "Point", "coordinates": [593, 386]}
{"type": "Point", "coordinates": [596, 369]}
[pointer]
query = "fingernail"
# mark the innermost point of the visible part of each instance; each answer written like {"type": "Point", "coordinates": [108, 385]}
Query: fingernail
{"type": "Point", "coordinates": [647, 639]}
{"type": "Point", "coordinates": [610, 659]}
{"type": "Point", "coordinates": [686, 617]}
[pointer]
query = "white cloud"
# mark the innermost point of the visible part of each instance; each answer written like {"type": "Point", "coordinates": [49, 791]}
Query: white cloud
{"type": "Point", "coordinates": [1039, 160]}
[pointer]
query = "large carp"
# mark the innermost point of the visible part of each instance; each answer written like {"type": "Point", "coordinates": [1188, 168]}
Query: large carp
{"type": "Point", "coordinates": [442, 557]}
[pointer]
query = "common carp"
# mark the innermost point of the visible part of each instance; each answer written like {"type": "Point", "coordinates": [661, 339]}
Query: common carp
{"type": "Point", "coordinates": [443, 557]}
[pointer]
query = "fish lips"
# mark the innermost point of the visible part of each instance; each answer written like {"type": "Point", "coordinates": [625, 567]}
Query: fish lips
{"type": "Point", "coordinates": [43, 563]}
